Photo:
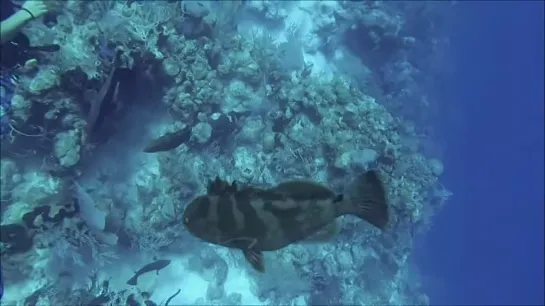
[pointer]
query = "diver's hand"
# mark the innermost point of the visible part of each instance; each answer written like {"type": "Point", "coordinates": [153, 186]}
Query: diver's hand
{"type": "Point", "coordinates": [35, 8]}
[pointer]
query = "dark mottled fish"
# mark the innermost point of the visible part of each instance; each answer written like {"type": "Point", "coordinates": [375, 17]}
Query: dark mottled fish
{"type": "Point", "coordinates": [255, 220]}
{"type": "Point", "coordinates": [154, 266]}
{"type": "Point", "coordinates": [168, 141]}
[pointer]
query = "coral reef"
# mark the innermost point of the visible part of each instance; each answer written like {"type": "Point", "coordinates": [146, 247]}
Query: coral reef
{"type": "Point", "coordinates": [108, 138]}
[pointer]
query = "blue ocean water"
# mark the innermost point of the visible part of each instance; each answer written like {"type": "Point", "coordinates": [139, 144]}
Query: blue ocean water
{"type": "Point", "coordinates": [486, 246]}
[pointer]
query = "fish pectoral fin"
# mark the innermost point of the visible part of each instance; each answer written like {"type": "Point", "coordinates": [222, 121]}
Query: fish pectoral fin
{"type": "Point", "coordinates": [221, 187]}
{"type": "Point", "coordinates": [325, 234]}
{"type": "Point", "coordinates": [255, 258]}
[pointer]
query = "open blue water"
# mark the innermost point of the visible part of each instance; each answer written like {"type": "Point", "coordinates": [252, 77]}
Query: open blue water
{"type": "Point", "coordinates": [486, 246]}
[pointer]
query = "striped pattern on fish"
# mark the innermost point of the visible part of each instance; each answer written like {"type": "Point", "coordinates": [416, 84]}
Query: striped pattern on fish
{"type": "Point", "coordinates": [255, 219]}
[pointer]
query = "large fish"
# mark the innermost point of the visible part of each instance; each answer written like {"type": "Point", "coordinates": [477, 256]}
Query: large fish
{"type": "Point", "coordinates": [256, 220]}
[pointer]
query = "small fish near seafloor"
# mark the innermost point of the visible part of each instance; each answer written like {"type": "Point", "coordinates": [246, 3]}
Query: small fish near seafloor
{"type": "Point", "coordinates": [168, 141]}
{"type": "Point", "coordinates": [256, 220]}
{"type": "Point", "coordinates": [154, 266]}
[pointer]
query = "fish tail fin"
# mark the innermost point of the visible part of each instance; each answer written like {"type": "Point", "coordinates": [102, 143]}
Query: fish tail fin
{"type": "Point", "coordinates": [367, 199]}
{"type": "Point", "coordinates": [133, 281]}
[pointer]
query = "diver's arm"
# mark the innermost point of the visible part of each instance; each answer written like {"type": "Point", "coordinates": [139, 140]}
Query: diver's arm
{"type": "Point", "coordinates": [11, 26]}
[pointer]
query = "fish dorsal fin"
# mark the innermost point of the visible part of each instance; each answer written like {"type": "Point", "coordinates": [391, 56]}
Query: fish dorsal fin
{"type": "Point", "coordinates": [304, 189]}
{"type": "Point", "coordinates": [221, 187]}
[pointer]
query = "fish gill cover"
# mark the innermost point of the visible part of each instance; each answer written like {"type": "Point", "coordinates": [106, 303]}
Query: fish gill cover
{"type": "Point", "coordinates": [263, 92]}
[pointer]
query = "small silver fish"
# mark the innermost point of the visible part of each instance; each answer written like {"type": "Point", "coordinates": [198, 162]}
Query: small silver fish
{"type": "Point", "coordinates": [256, 220]}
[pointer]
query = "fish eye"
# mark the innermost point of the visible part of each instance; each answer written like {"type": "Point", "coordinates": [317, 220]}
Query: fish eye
{"type": "Point", "coordinates": [186, 220]}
